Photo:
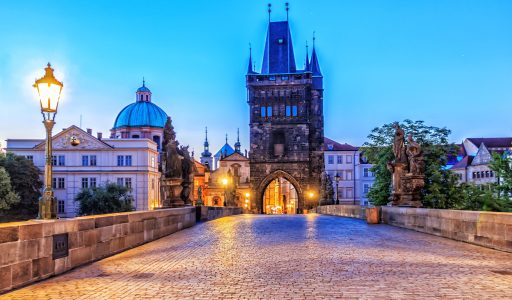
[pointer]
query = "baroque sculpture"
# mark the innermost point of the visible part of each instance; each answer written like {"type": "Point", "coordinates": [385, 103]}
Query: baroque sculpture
{"type": "Point", "coordinates": [177, 170]}
{"type": "Point", "coordinates": [407, 169]}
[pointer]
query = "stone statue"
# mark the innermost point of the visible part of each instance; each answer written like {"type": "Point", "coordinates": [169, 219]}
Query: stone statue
{"type": "Point", "coordinates": [399, 144]}
{"type": "Point", "coordinates": [407, 170]}
{"type": "Point", "coordinates": [199, 201]}
{"type": "Point", "coordinates": [173, 161]}
{"type": "Point", "coordinates": [415, 155]}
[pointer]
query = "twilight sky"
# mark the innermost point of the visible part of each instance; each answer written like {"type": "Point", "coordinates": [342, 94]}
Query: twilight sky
{"type": "Point", "coordinates": [448, 63]}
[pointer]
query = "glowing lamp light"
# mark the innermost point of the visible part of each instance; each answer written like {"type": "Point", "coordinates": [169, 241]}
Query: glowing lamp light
{"type": "Point", "coordinates": [224, 181]}
{"type": "Point", "coordinates": [247, 195]}
{"type": "Point", "coordinates": [311, 194]}
{"type": "Point", "coordinates": [48, 90]}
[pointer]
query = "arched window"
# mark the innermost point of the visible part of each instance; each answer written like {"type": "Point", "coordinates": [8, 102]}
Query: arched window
{"type": "Point", "coordinates": [147, 97]}
{"type": "Point", "coordinates": [141, 97]}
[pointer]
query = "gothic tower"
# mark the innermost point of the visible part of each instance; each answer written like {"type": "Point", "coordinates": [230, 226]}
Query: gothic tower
{"type": "Point", "coordinates": [286, 122]}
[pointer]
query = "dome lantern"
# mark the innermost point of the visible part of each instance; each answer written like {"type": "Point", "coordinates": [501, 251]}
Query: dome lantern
{"type": "Point", "coordinates": [143, 94]}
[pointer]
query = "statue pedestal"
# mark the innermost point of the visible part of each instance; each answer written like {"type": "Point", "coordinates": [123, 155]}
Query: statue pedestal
{"type": "Point", "coordinates": [171, 188]}
{"type": "Point", "coordinates": [185, 192]}
{"type": "Point", "coordinates": [410, 192]}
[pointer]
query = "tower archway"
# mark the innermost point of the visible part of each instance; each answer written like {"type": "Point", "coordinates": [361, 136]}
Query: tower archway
{"type": "Point", "coordinates": [279, 193]}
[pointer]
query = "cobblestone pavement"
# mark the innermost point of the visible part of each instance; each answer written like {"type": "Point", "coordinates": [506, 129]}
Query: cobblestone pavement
{"type": "Point", "coordinates": [288, 257]}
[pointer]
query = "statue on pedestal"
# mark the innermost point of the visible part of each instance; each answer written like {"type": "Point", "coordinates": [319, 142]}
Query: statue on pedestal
{"type": "Point", "coordinates": [407, 170]}
{"type": "Point", "coordinates": [172, 170]}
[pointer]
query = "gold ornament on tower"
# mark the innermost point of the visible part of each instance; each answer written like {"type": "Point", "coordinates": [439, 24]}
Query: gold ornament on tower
{"type": "Point", "coordinates": [74, 141]}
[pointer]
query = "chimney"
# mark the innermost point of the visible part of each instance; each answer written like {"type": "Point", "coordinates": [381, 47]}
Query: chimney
{"type": "Point", "coordinates": [89, 131]}
{"type": "Point", "coordinates": [100, 135]}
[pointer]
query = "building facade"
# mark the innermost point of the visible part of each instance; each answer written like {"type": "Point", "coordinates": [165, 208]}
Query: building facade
{"type": "Point", "coordinates": [355, 177]}
{"type": "Point", "coordinates": [286, 126]}
{"type": "Point", "coordinates": [95, 161]}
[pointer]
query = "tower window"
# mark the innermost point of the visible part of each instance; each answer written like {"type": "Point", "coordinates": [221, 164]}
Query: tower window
{"type": "Point", "coordinates": [269, 111]}
{"type": "Point", "coordinates": [288, 111]}
{"type": "Point", "coordinates": [141, 97]}
{"type": "Point", "coordinates": [147, 97]}
{"type": "Point", "coordinates": [263, 112]}
{"type": "Point", "coordinates": [294, 110]}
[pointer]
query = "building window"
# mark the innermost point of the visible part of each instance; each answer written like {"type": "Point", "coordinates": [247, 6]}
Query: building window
{"type": "Point", "coordinates": [486, 174]}
{"type": "Point", "coordinates": [128, 182]}
{"type": "Point", "coordinates": [491, 173]}
{"type": "Point", "coordinates": [272, 78]}
{"type": "Point", "coordinates": [54, 160]}
{"type": "Point", "coordinates": [288, 111]}
{"type": "Point", "coordinates": [61, 183]}
{"type": "Point", "coordinates": [340, 192]}
{"type": "Point", "coordinates": [128, 160]}
{"type": "Point", "coordinates": [474, 175]}
{"type": "Point", "coordinates": [263, 112]}
{"type": "Point", "coordinates": [349, 159]}
{"type": "Point", "coordinates": [85, 183]}
{"type": "Point", "coordinates": [147, 97]}
{"type": "Point", "coordinates": [92, 160]}
{"type": "Point", "coordinates": [294, 110]}
{"type": "Point", "coordinates": [135, 136]}
{"type": "Point", "coordinates": [120, 160]}
{"type": "Point", "coordinates": [85, 160]}
{"type": "Point", "coordinates": [284, 77]}
{"type": "Point", "coordinates": [60, 207]}
{"type": "Point", "coordinates": [366, 172]}
{"type": "Point", "coordinates": [366, 188]}
{"type": "Point", "coordinates": [339, 159]}
{"type": "Point", "coordinates": [330, 159]}
{"type": "Point", "coordinates": [120, 181]}
{"type": "Point", "coordinates": [92, 182]}
{"type": "Point", "coordinates": [152, 161]}
{"type": "Point", "coordinates": [348, 175]}
{"type": "Point", "coordinates": [141, 97]}
{"type": "Point", "coordinates": [54, 183]}
{"type": "Point", "coordinates": [269, 111]}
{"type": "Point", "coordinates": [30, 157]}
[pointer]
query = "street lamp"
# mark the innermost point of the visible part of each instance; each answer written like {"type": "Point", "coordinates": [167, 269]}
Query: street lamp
{"type": "Point", "coordinates": [48, 90]}
{"type": "Point", "coordinates": [337, 178]}
{"type": "Point", "coordinates": [225, 184]}
{"type": "Point", "coordinates": [247, 195]}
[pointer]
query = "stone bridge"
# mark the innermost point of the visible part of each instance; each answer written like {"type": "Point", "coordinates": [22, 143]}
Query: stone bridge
{"type": "Point", "coordinates": [288, 257]}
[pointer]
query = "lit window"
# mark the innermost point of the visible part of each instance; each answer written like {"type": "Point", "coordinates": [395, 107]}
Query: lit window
{"type": "Point", "coordinates": [284, 77]}
{"type": "Point", "coordinates": [263, 112]}
{"type": "Point", "coordinates": [294, 110]}
{"type": "Point", "coordinates": [269, 111]}
{"type": "Point", "coordinates": [152, 161]}
{"type": "Point", "coordinates": [288, 111]}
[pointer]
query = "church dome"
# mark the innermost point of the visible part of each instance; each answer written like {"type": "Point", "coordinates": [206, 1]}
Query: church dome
{"type": "Point", "coordinates": [141, 114]}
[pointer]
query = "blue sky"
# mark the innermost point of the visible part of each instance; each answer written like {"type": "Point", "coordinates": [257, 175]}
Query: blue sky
{"type": "Point", "coordinates": [448, 63]}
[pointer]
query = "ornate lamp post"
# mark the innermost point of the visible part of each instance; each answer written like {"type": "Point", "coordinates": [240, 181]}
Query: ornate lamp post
{"type": "Point", "coordinates": [337, 178]}
{"type": "Point", "coordinates": [48, 89]}
{"type": "Point", "coordinates": [225, 184]}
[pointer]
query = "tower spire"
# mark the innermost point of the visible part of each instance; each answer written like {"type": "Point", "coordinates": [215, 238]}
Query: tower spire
{"type": "Point", "coordinates": [308, 67]}
{"type": "Point", "coordinates": [287, 9]}
{"type": "Point", "coordinates": [250, 70]}
{"type": "Point", "coordinates": [206, 152]}
{"type": "Point", "coordinates": [226, 138]}
{"type": "Point", "coordinates": [206, 134]}
{"type": "Point", "coordinates": [269, 11]}
{"type": "Point", "coordinates": [143, 81]}
{"type": "Point", "coordinates": [237, 144]}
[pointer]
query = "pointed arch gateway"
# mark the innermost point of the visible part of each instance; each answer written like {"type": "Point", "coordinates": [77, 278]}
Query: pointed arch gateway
{"type": "Point", "coordinates": [279, 193]}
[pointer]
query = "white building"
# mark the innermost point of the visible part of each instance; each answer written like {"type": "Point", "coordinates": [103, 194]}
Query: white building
{"type": "Point", "coordinates": [95, 161]}
{"type": "Point", "coordinates": [354, 171]}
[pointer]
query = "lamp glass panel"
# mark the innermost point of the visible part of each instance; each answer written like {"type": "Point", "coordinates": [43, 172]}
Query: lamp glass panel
{"type": "Point", "coordinates": [49, 96]}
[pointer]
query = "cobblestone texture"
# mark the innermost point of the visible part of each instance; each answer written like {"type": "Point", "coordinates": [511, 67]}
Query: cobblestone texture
{"type": "Point", "coordinates": [288, 257]}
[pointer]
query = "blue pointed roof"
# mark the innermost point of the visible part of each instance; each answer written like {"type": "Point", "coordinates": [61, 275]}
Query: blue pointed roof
{"type": "Point", "coordinates": [226, 150]}
{"type": "Point", "coordinates": [278, 56]}
{"type": "Point", "coordinates": [315, 66]}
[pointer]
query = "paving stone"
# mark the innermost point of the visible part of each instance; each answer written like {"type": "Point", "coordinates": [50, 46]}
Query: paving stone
{"type": "Point", "coordinates": [288, 257]}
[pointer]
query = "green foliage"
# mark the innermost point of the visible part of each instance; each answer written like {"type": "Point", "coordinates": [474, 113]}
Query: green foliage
{"type": "Point", "coordinates": [8, 197]}
{"type": "Point", "coordinates": [440, 185]}
{"type": "Point", "coordinates": [482, 197]}
{"type": "Point", "coordinates": [25, 182]}
{"type": "Point", "coordinates": [105, 199]}
{"type": "Point", "coordinates": [501, 164]}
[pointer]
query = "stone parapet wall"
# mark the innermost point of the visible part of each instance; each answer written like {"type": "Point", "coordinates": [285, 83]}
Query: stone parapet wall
{"type": "Point", "coordinates": [351, 211]}
{"type": "Point", "coordinates": [27, 248]}
{"type": "Point", "coordinates": [208, 213]}
{"type": "Point", "coordinates": [488, 229]}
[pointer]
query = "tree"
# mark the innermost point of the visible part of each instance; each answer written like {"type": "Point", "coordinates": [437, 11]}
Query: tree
{"type": "Point", "coordinates": [25, 182]}
{"type": "Point", "coordinates": [8, 197]}
{"type": "Point", "coordinates": [440, 189]}
{"type": "Point", "coordinates": [105, 199]}
{"type": "Point", "coordinates": [501, 164]}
